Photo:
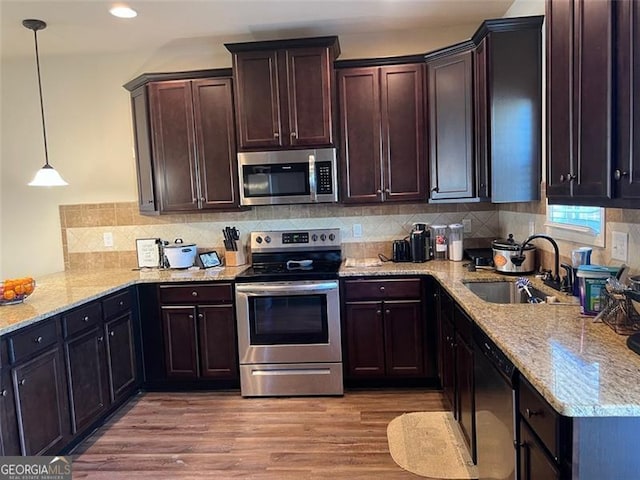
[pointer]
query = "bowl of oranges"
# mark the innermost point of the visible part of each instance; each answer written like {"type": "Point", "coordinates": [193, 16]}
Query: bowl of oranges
{"type": "Point", "coordinates": [16, 290]}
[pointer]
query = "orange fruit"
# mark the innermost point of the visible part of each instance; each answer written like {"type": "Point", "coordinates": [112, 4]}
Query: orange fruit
{"type": "Point", "coordinates": [19, 289]}
{"type": "Point", "coordinates": [9, 295]}
{"type": "Point", "coordinates": [28, 288]}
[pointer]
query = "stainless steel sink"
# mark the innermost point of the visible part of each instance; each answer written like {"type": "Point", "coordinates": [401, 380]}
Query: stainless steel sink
{"type": "Point", "coordinates": [502, 292]}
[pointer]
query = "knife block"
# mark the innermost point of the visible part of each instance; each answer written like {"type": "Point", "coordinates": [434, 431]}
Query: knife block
{"type": "Point", "coordinates": [235, 258]}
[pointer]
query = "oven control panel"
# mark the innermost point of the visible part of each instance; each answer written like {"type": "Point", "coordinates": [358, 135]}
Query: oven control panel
{"type": "Point", "coordinates": [283, 240]}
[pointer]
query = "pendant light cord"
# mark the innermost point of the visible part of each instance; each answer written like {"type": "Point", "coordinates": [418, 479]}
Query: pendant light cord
{"type": "Point", "coordinates": [44, 128]}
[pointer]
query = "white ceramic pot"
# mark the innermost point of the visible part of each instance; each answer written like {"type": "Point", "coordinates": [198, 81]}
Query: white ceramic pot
{"type": "Point", "coordinates": [180, 254]}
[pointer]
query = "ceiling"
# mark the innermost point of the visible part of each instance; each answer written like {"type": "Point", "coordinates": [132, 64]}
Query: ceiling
{"type": "Point", "coordinates": [83, 26]}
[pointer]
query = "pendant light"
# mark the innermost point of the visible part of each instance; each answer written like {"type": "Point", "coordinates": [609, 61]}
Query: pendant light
{"type": "Point", "coordinates": [47, 176]}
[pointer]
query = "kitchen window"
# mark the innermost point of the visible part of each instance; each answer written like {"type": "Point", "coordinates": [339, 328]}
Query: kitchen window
{"type": "Point", "coordinates": [584, 225]}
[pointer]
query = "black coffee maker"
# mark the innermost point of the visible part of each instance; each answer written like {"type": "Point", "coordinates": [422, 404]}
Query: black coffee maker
{"type": "Point", "coordinates": [420, 241]}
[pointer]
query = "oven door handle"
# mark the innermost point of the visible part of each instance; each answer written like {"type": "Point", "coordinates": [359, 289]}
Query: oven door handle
{"type": "Point", "coordinates": [255, 290]}
{"type": "Point", "coordinates": [313, 187]}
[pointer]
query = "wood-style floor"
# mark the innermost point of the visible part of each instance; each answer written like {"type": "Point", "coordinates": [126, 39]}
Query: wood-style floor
{"type": "Point", "coordinates": [213, 435]}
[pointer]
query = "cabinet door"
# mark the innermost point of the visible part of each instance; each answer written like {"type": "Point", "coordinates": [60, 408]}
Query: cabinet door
{"type": "Point", "coordinates": [86, 374]}
{"type": "Point", "coordinates": [173, 145]}
{"type": "Point", "coordinates": [309, 97]}
{"type": "Point", "coordinates": [404, 175]}
{"type": "Point", "coordinates": [448, 359]}
{"type": "Point", "coordinates": [627, 174]}
{"type": "Point", "coordinates": [121, 356]}
{"type": "Point", "coordinates": [481, 119]}
{"type": "Point", "coordinates": [592, 94]}
{"type": "Point", "coordinates": [359, 91]}
{"type": "Point", "coordinates": [41, 403]}
{"type": "Point", "coordinates": [180, 343]}
{"type": "Point", "coordinates": [559, 24]}
{"type": "Point", "coordinates": [365, 339]}
{"type": "Point", "coordinates": [403, 338]}
{"type": "Point", "coordinates": [9, 437]}
{"type": "Point", "coordinates": [217, 332]}
{"type": "Point", "coordinates": [534, 462]}
{"type": "Point", "coordinates": [144, 159]}
{"type": "Point", "coordinates": [215, 140]}
{"type": "Point", "coordinates": [464, 378]}
{"type": "Point", "coordinates": [257, 99]}
{"type": "Point", "coordinates": [451, 127]}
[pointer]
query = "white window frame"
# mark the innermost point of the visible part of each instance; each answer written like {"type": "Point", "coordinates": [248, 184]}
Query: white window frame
{"type": "Point", "coordinates": [577, 233]}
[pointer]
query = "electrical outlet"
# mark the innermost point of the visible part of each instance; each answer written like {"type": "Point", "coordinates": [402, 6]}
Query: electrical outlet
{"type": "Point", "coordinates": [619, 246]}
{"type": "Point", "coordinates": [107, 237]}
{"type": "Point", "coordinates": [357, 230]}
{"type": "Point", "coordinates": [467, 225]}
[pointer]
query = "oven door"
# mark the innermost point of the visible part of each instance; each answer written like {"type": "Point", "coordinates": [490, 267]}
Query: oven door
{"type": "Point", "coordinates": [288, 322]}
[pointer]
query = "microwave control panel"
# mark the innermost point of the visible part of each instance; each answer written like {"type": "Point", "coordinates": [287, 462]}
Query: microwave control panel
{"type": "Point", "coordinates": [325, 177]}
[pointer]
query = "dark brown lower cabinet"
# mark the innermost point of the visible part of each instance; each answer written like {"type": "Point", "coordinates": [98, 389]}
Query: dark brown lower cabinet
{"type": "Point", "coordinates": [9, 438]}
{"type": "Point", "coordinates": [465, 384]}
{"type": "Point", "coordinates": [121, 356]}
{"type": "Point", "coordinates": [200, 341]}
{"type": "Point", "coordinates": [448, 363]}
{"type": "Point", "coordinates": [41, 403]}
{"type": "Point", "coordinates": [384, 329]}
{"type": "Point", "coordinates": [88, 391]}
{"type": "Point", "coordinates": [535, 464]}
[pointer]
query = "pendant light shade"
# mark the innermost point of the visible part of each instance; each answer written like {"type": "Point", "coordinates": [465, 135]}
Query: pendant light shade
{"type": "Point", "coordinates": [47, 175]}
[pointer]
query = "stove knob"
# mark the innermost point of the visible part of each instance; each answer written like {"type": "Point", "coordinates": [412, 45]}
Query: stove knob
{"type": "Point", "coordinates": [267, 239]}
{"type": "Point", "coordinates": [314, 237]}
{"type": "Point", "coordinates": [258, 239]}
{"type": "Point", "coordinates": [332, 237]}
{"type": "Point", "coordinates": [323, 237]}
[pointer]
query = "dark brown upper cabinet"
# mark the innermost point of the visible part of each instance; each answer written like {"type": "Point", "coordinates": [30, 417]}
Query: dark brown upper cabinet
{"type": "Point", "coordinates": [382, 133]}
{"type": "Point", "coordinates": [185, 142]}
{"type": "Point", "coordinates": [579, 100]}
{"type": "Point", "coordinates": [484, 111]}
{"type": "Point", "coordinates": [284, 92]}
{"type": "Point", "coordinates": [452, 164]}
{"type": "Point", "coordinates": [626, 175]}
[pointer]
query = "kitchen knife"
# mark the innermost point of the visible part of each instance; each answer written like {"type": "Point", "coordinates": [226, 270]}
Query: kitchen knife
{"type": "Point", "coordinates": [227, 241]}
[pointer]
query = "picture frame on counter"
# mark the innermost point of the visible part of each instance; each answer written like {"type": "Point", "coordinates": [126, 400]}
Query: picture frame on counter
{"type": "Point", "coordinates": [148, 252]}
{"type": "Point", "coordinates": [209, 259]}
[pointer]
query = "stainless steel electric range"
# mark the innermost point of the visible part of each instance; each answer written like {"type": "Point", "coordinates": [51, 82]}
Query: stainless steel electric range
{"type": "Point", "coordinates": [288, 314]}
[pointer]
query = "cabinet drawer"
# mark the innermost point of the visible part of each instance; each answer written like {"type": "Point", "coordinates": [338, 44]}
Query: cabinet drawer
{"type": "Point", "coordinates": [32, 340]}
{"type": "Point", "coordinates": [216, 293]}
{"type": "Point", "coordinates": [382, 289]}
{"type": "Point", "coordinates": [82, 318]}
{"type": "Point", "coordinates": [541, 417]}
{"type": "Point", "coordinates": [116, 304]}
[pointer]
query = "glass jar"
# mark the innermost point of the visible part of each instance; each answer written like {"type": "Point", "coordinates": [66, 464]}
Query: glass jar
{"type": "Point", "coordinates": [456, 237]}
{"type": "Point", "coordinates": [439, 239]}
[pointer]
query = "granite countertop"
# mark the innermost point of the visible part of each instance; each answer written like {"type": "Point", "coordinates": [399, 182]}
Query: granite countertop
{"type": "Point", "coordinates": [58, 292]}
{"type": "Point", "coordinates": [582, 368]}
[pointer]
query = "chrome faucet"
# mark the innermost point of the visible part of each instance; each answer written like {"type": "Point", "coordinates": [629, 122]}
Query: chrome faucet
{"type": "Point", "coordinates": [554, 282]}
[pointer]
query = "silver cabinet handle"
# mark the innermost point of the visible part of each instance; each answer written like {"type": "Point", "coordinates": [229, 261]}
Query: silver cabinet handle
{"type": "Point", "coordinates": [387, 311]}
{"type": "Point", "coordinates": [276, 135]}
{"type": "Point", "coordinates": [190, 317]}
{"type": "Point", "coordinates": [435, 189]}
{"type": "Point", "coordinates": [100, 339]}
{"type": "Point", "coordinates": [382, 288]}
{"type": "Point", "coordinates": [38, 339]}
{"type": "Point", "coordinates": [619, 174]}
{"type": "Point", "coordinates": [200, 315]}
{"type": "Point", "coordinates": [378, 312]}
{"type": "Point", "coordinates": [3, 393]}
{"type": "Point", "coordinates": [194, 294]}
{"type": "Point", "coordinates": [85, 318]}
{"type": "Point", "coordinates": [378, 191]}
{"type": "Point", "coordinates": [112, 333]}
{"type": "Point", "coordinates": [23, 381]}
{"type": "Point", "coordinates": [294, 135]}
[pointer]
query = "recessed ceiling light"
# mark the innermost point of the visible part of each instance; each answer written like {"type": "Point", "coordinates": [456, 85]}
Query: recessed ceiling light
{"type": "Point", "coordinates": [122, 11]}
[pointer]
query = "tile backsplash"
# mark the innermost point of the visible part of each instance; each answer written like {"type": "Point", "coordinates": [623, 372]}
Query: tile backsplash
{"type": "Point", "coordinates": [84, 226]}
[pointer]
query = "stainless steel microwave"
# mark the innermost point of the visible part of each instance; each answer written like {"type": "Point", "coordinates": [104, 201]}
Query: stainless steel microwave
{"type": "Point", "coordinates": [288, 177]}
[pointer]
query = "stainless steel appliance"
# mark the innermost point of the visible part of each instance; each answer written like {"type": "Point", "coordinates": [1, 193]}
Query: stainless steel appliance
{"type": "Point", "coordinates": [288, 314]}
{"type": "Point", "coordinates": [288, 177]}
{"type": "Point", "coordinates": [495, 412]}
{"type": "Point", "coordinates": [504, 250]}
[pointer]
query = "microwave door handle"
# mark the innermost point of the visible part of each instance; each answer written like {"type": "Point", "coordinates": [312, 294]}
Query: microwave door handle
{"type": "Point", "coordinates": [313, 190]}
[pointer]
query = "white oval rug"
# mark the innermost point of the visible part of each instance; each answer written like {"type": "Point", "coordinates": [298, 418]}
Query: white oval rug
{"type": "Point", "coordinates": [430, 444]}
